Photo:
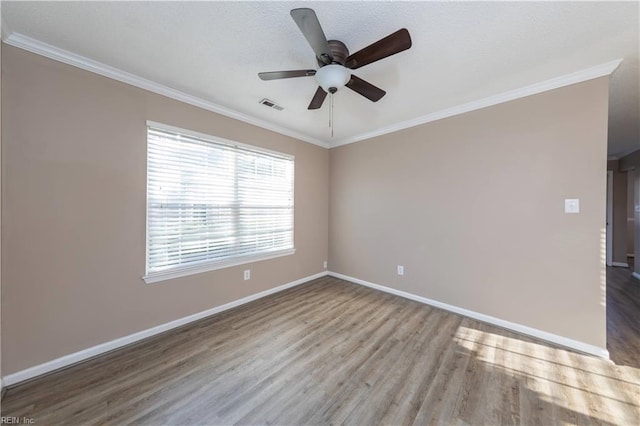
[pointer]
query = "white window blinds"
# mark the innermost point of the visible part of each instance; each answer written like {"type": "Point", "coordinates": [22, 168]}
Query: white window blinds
{"type": "Point", "coordinates": [213, 203]}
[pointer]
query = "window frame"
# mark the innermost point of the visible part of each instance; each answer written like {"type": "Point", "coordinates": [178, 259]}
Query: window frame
{"type": "Point", "coordinates": [208, 265]}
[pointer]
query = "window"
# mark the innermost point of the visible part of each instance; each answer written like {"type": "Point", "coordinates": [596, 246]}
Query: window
{"type": "Point", "coordinates": [213, 203]}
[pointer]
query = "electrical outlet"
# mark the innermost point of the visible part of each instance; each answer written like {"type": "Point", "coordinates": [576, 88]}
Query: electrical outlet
{"type": "Point", "coordinates": [400, 270]}
{"type": "Point", "coordinates": [247, 274]}
{"type": "Point", "coordinates": [325, 264]}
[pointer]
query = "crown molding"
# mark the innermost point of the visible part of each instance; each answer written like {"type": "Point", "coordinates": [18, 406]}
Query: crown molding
{"type": "Point", "coordinates": [44, 49]}
{"type": "Point", "coordinates": [533, 89]}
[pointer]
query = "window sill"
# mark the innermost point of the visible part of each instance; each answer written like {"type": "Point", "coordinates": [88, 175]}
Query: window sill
{"type": "Point", "coordinates": [212, 266]}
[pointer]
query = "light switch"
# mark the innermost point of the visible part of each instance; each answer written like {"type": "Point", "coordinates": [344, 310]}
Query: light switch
{"type": "Point", "coordinates": [572, 205]}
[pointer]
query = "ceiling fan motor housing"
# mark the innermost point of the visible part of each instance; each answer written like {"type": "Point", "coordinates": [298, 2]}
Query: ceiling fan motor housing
{"type": "Point", "coordinates": [339, 52]}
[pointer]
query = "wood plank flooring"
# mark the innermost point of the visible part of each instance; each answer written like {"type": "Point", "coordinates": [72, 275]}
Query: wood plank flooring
{"type": "Point", "coordinates": [623, 317]}
{"type": "Point", "coordinates": [333, 352]}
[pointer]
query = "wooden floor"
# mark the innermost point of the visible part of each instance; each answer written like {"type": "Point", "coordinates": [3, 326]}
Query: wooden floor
{"type": "Point", "coordinates": [623, 317]}
{"type": "Point", "coordinates": [332, 352]}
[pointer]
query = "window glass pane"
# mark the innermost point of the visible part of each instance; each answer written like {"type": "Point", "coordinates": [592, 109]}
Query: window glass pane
{"type": "Point", "coordinates": [208, 201]}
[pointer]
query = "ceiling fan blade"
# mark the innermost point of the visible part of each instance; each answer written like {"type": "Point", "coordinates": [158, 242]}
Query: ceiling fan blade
{"type": "Point", "coordinates": [318, 99]}
{"type": "Point", "coordinates": [275, 75]}
{"type": "Point", "coordinates": [308, 23]}
{"type": "Point", "coordinates": [367, 90]}
{"type": "Point", "coordinates": [385, 47]}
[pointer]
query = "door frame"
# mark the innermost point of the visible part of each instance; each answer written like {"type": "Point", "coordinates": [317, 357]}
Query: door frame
{"type": "Point", "coordinates": [609, 218]}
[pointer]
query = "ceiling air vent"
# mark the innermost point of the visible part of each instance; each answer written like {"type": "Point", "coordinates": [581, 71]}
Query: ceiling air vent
{"type": "Point", "coordinates": [271, 104]}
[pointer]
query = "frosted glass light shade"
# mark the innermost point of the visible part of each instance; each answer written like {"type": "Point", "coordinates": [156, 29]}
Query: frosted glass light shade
{"type": "Point", "coordinates": [332, 76]}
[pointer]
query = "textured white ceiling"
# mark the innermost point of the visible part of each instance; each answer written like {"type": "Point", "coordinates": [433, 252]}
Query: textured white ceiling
{"type": "Point", "coordinates": [461, 52]}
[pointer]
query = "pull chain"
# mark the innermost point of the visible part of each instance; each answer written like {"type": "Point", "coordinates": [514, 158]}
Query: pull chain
{"type": "Point", "coordinates": [331, 96]}
{"type": "Point", "coordinates": [331, 116]}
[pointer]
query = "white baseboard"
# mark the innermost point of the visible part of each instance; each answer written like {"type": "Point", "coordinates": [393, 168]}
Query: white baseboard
{"type": "Point", "coordinates": [519, 328]}
{"type": "Point", "coordinates": [636, 275]}
{"type": "Point", "coordinates": [93, 351]}
{"type": "Point", "coordinates": [620, 264]}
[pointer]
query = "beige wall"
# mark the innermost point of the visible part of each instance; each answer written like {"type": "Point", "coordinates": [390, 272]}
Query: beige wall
{"type": "Point", "coordinates": [473, 207]}
{"type": "Point", "coordinates": [73, 240]}
{"type": "Point", "coordinates": [619, 202]}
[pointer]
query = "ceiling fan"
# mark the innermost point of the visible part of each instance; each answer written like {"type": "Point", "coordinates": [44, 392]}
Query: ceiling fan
{"type": "Point", "coordinates": [335, 62]}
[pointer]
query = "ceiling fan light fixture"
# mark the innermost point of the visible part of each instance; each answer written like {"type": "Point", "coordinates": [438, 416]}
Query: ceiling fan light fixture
{"type": "Point", "coordinates": [332, 77]}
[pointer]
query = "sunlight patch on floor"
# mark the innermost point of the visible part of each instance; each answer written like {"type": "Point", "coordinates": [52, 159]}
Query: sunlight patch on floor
{"type": "Point", "coordinates": [560, 377]}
